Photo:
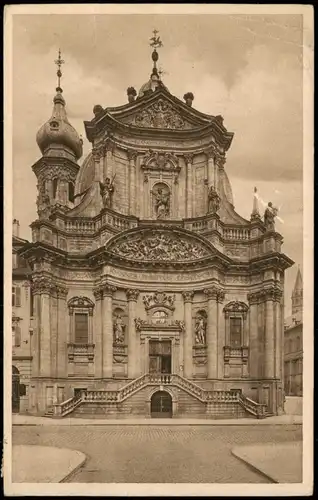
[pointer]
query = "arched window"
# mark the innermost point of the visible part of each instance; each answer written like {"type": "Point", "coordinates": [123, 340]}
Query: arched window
{"type": "Point", "coordinates": [81, 312]}
{"type": "Point", "coordinates": [159, 317]}
{"type": "Point", "coordinates": [16, 296]}
{"type": "Point", "coordinates": [54, 187]}
{"type": "Point", "coordinates": [71, 192]}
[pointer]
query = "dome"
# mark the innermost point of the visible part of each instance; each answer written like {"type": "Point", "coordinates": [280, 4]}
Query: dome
{"type": "Point", "coordinates": [153, 83]}
{"type": "Point", "coordinates": [85, 176]}
{"type": "Point", "coordinates": [58, 131]}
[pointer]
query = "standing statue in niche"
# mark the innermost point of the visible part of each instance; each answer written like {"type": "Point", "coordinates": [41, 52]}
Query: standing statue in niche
{"type": "Point", "coordinates": [200, 330]}
{"type": "Point", "coordinates": [106, 191]}
{"type": "Point", "coordinates": [213, 201]}
{"type": "Point", "coordinates": [269, 217]}
{"type": "Point", "coordinates": [162, 203]}
{"type": "Point", "coordinates": [119, 330]}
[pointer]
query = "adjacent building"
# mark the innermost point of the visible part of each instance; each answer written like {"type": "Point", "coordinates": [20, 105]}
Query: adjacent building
{"type": "Point", "coordinates": [21, 324]}
{"type": "Point", "coordinates": [152, 295]}
{"type": "Point", "coordinates": [293, 347]}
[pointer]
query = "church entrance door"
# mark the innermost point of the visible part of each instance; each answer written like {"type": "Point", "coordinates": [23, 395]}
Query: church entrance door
{"type": "Point", "coordinates": [160, 356]}
{"type": "Point", "coordinates": [161, 405]}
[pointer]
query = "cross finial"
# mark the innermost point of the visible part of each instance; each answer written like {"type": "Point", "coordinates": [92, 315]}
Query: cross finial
{"type": "Point", "coordinates": [59, 61]}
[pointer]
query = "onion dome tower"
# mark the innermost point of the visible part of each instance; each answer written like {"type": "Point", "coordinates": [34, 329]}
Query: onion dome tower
{"type": "Point", "coordinates": [61, 148]}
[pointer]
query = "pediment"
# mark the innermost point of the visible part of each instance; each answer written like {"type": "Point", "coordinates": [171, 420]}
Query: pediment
{"type": "Point", "coordinates": [162, 112]}
{"type": "Point", "coordinates": [159, 245]}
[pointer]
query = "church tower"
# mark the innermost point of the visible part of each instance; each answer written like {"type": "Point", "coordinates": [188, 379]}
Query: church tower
{"type": "Point", "coordinates": [297, 295]}
{"type": "Point", "coordinates": [61, 148]}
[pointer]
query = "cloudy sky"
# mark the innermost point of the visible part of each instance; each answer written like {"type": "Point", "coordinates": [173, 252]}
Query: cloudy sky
{"type": "Point", "coordinates": [246, 68]}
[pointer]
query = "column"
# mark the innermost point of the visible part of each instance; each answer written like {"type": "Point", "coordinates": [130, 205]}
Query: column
{"type": "Point", "coordinates": [107, 329]}
{"type": "Point", "coordinates": [187, 335]}
{"type": "Point", "coordinates": [253, 299]}
{"type": "Point", "coordinates": [219, 162]}
{"type": "Point", "coordinates": [45, 330]}
{"type": "Point", "coordinates": [133, 352]}
{"type": "Point", "coordinates": [212, 334]}
{"type": "Point", "coordinates": [220, 333]}
{"type": "Point", "coordinates": [96, 152]}
{"type": "Point", "coordinates": [132, 156]}
{"type": "Point", "coordinates": [61, 331]}
{"type": "Point", "coordinates": [35, 342]}
{"type": "Point", "coordinates": [107, 167]}
{"type": "Point", "coordinates": [98, 358]}
{"type": "Point", "coordinates": [269, 360]}
{"type": "Point", "coordinates": [189, 192]}
{"type": "Point", "coordinates": [278, 336]}
{"type": "Point", "coordinates": [210, 173]}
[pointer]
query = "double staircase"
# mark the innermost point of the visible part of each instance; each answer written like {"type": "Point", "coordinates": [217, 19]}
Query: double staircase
{"type": "Point", "coordinates": [207, 398]}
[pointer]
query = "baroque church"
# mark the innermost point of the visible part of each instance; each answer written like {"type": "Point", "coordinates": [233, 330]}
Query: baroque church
{"type": "Point", "coordinates": [152, 296]}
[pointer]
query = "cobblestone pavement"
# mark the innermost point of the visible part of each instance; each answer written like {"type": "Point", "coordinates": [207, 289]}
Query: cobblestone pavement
{"type": "Point", "coordinates": [159, 454]}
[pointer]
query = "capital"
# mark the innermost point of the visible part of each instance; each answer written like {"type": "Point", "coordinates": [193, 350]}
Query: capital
{"type": "Point", "coordinates": [209, 152]}
{"type": "Point", "coordinates": [61, 291]}
{"type": "Point", "coordinates": [98, 293]}
{"type": "Point", "coordinates": [97, 153]}
{"type": "Point", "coordinates": [189, 158]}
{"type": "Point", "coordinates": [108, 145]}
{"type": "Point", "coordinates": [132, 155]}
{"type": "Point", "coordinates": [108, 290]}
{"type": "Point", "coordinates": [41, 286]}
{"type": "Point", "coordinates": [220, 160]}
{"type": "Point", "coordinates": [211, 292]}
{"type": "Point", "coordinates": [188, 296]}
{"type": "Point", "coordinates": [132, 294]}
{"type": "Point", "coordinates": [253, 298]}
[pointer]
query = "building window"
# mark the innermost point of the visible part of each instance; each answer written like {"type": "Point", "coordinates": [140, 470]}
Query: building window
{"type": "Point", "coordinates": [14, 261]}
{"type": "Point", "coordinates": [235, 332]}
{"type": "Point", "coordinates": [81, 328]}
{"type": "Point", "coordinates": [81, 324]}
{"type": "Point", "coordinates": [235, 323]}
{"type": "Point", "coordinates": [54, 188]}
{"type": "Point", "coordinates": [16, 296]}
{"type": "Point", "coordinates": [71, 192]}
{"type": "Point", "coordinates": [290, 345]}
{"type": "Point", "coordinates": [160, 317]}
{"type": "Point", "coordinates": [16, 336]}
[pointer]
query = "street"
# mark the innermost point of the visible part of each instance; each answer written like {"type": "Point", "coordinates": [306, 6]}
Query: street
{"type": "Point", "coordinates": [158, 454]}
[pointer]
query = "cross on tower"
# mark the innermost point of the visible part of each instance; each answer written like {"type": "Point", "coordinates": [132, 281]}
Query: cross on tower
{"type": "Point", "coordinates": [59, 61]}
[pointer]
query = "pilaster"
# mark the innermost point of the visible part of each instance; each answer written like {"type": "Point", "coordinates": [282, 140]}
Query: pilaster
{"type": "Point", "coordinates": [133, 354]}
{"type": "Point", "coordinates": [107, 329]}
{"type": "Point", "coordinates": [187, 335]}
{"type": "Point", "coordinates": [132, 156]}
{"type": "Point", "coordinates": [189, 193]}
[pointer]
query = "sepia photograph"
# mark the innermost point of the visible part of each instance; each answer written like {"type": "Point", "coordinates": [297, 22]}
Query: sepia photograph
{"type": "Point", "coordinates": [158, 242]}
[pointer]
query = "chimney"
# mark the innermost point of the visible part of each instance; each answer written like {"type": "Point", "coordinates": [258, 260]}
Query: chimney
{"type": "Point", "coordinates": [15, 228]}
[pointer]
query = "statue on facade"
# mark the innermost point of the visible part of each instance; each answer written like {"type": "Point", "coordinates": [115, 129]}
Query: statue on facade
{"type": "Point", "coordinates": [200, 330]}
{"type": "Point", "coordinates": [119, 330]}
{"type": "Point", "coordinates": [162, 203]}
{"type": "Point", "coordinates": [106, 191]}
{"type": "Point", "coordinates": [269, 217]}
{"type": "Point", "coordinates": [213, 201]}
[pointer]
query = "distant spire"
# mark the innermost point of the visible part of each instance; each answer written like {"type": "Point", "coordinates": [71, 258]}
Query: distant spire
{"type": "Point", "coordinates": [298, 287]}
{"type": "Point", "coordinates": [155, 43]}
{"type": "Point", "coordinates": [297, 295]}
{"type": "Point", "coordinates": [255, 215]}
{"type": "Point", "coordinates": [59, 61]}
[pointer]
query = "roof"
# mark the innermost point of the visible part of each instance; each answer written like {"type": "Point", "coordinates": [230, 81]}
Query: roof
{"type": "Point", "coordinates": [298, 287]}
{"type": "Point", "coordinates": [293, 320]}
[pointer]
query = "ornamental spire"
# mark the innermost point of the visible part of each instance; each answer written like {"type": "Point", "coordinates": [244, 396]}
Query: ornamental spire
{"type": "Point", "coordinates": [155, 43]}
{"type": "Point", "coordinates": [59, 61]}
{"type": "Point", "coordinates": [255, 212]}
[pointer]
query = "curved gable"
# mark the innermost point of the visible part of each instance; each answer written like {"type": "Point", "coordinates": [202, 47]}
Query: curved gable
{"type": "Point", "coordinates": [160, 244]}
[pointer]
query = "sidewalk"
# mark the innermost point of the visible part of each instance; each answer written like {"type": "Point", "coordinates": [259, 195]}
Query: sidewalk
{"type": "Point", "coordinates": [44, 464]}
{"type": "Point", "coordinates": [31, 420]}
{"type": "Point", "coordinates": [281, 463]}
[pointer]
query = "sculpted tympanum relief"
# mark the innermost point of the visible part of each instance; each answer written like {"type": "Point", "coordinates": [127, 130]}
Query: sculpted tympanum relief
{"type": "Point", "coordinates": [159, 246]}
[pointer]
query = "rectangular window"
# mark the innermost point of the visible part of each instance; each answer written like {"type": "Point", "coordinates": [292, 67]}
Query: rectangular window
{"type": "Point", "coordinates": [16, 336]}
{"type": "Point", "coordinates": [14, 261]}
{"type": "Point", "coordinates": [81, 328]}
{"type": "Point", "coordinates": [16, 296]}
{"type": "Point", "coordinates": [31, 304]}
{"type": "Point", "coordinates": [235, 332]}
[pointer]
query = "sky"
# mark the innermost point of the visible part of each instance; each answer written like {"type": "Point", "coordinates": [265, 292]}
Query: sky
{"type": "Point", "coordinates": [247, 68]}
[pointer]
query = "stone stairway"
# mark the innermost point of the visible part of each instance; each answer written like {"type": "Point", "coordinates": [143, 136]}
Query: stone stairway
{"type": "Point", "coordinates": [117, 401]}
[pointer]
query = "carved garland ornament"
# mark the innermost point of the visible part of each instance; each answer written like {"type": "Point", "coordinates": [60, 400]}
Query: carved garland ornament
{"type": "Point", "coordinates": [155, 160]}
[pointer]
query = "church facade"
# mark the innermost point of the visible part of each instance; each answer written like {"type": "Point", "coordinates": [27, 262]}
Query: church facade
{"type": "Point", "coordinates": [152, 295]}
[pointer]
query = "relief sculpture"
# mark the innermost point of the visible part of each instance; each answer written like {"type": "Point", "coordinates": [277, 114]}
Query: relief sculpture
{"type": "Point", "coordinates": [161, 247]}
